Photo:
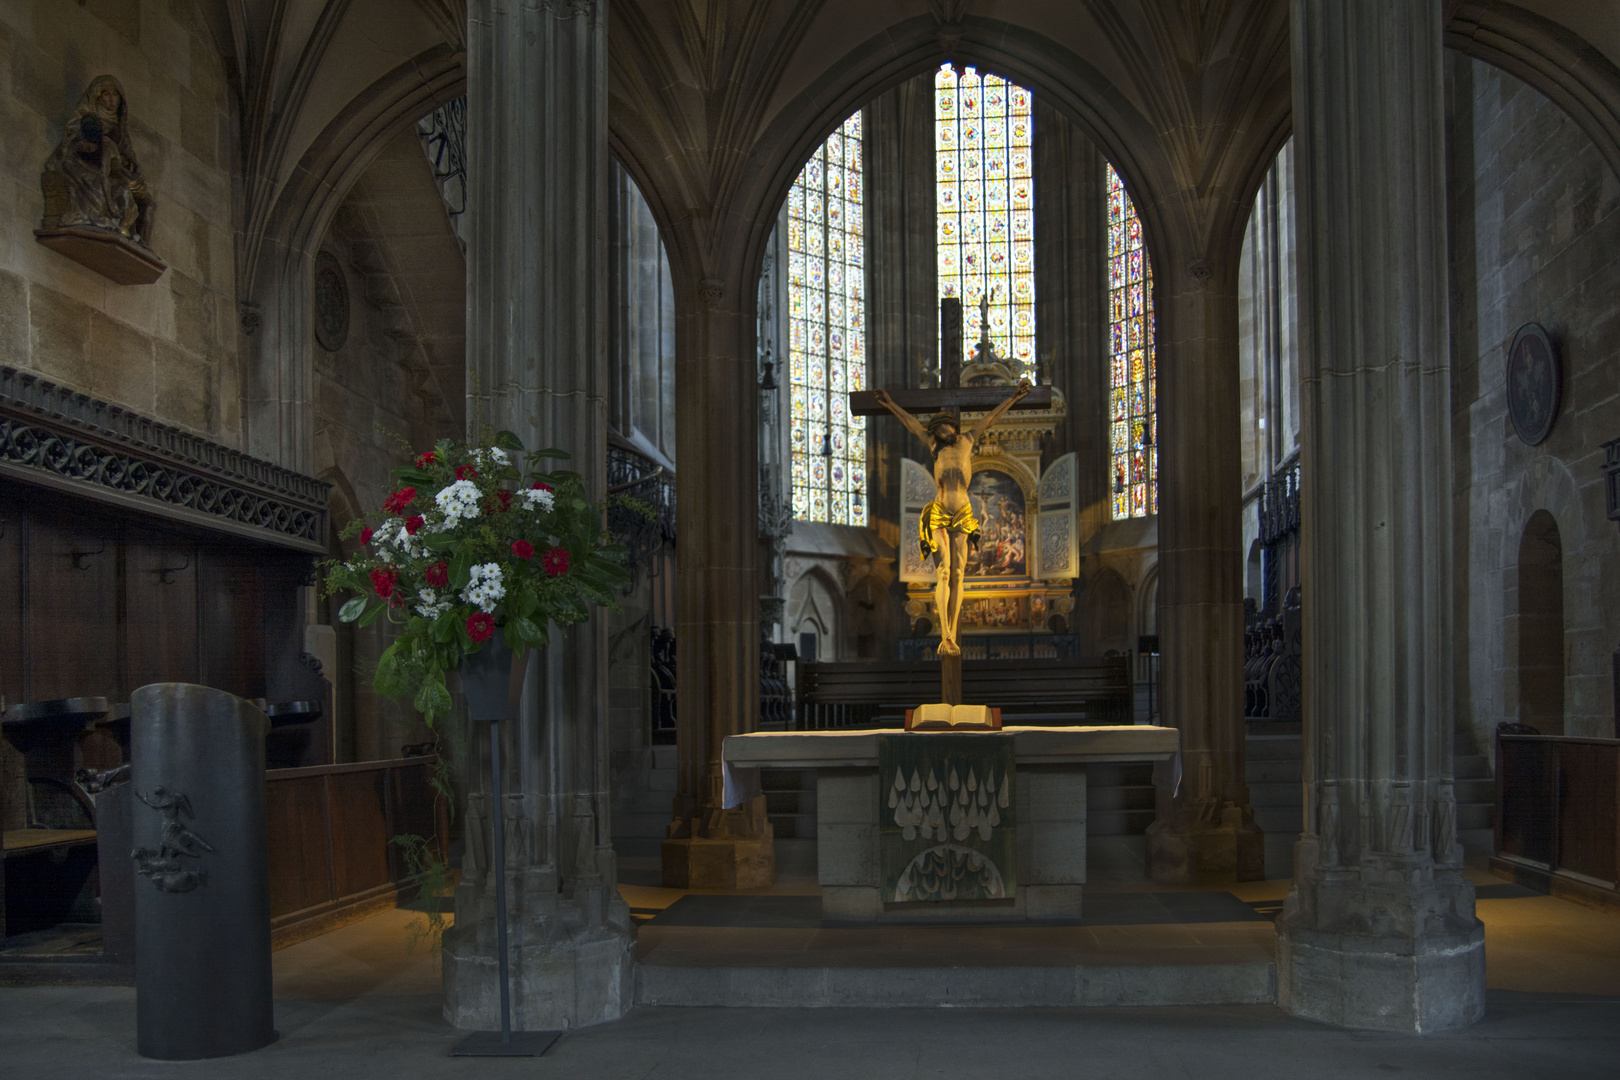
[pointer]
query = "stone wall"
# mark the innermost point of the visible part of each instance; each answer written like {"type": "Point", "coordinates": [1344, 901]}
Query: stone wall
{"type": "Point", "coordinates": [1535, 236]}
{"type": "Point", "coordinates": [391, 389]}
{"type": "Point", "coordinates": [168, 349]}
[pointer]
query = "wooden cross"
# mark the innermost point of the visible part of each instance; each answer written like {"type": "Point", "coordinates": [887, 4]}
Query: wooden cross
{"type": "Point", "coordinates": [950, 396]}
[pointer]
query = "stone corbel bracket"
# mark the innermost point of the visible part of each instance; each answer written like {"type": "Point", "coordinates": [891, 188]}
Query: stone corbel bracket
{"type": "Point", "coordinates": [52, 437]}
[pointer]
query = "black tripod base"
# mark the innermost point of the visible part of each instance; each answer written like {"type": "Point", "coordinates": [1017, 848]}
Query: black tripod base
{"type": "Point", "coordinates": [489, 1044]}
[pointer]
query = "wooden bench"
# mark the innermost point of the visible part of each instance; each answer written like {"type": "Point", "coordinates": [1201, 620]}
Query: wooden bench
{"type": "Point", "coordinates": [878, 693]}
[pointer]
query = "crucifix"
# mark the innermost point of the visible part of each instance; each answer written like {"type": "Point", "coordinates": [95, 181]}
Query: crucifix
{"type": "Point", "coordinates": [947, 527]}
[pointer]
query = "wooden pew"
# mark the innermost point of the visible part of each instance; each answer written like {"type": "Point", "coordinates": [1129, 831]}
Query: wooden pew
{"type": "Point", "coordinates": [877, 694]}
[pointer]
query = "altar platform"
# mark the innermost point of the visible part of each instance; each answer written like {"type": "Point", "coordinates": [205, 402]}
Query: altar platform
{"type": "Point", "coordinates": [1045, 853]}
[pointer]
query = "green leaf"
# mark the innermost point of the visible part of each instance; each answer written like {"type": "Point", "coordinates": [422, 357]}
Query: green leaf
{"type": "Point", "coordinates": [508, 440]}
{"type": "Point", "coordinates": [440, 542]}
{"type": "Point", "coordinates": [432, 699]}
{"type": "Point", "coordinates": [460, 570]}
{"type": "Point", "coordinates": [372, 613]}
{"type": "Point", "coordinates": [552, 452]}
{"type": "Point", "coordinates": [413, 475]}
{"type": "Point", "coordinates": [390, 679]}
{"type": "Point", "coordinates": [524, 632]}
{"type": "Point", "coordinates": [352, 610]}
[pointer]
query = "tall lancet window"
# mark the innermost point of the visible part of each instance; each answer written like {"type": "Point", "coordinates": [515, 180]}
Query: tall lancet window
{"type": "Point", "coordinates": [1132, 376]}
{"type": "Point", "coordinates": [827, 331]}
{"type": "Point", "coordinates": [983, 127]}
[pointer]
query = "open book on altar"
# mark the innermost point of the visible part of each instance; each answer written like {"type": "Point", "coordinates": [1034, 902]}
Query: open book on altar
{"type": "Point", "coordinates": [945, 717]}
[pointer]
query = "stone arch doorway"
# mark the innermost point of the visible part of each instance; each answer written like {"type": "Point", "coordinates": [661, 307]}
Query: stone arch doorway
{"type": "Point", "coordinates": [1541, 625]}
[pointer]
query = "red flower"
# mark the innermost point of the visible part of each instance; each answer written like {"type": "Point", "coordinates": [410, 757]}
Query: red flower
{"type": "Point", "coordinates": [426, 459]}
{"type": "Point", "coordinates": [412, 524]}
{"type": "Point", "coordinates": [437, 575]}
{"type": "Point", "coordinates": [481, 627]}
{"type": "Point", "coordinates": [465, 472]}
{"type": "Point", "coordinates": [383, 579]}
{"type": "Point", "coordinates": [504, 497]}
{"type": "Point", "coordinates": [523, 549]}
{"type": "Point", "coordinates": [399, 500]}
{"type": "Point", "coordinates": [538, 486]}
{"type": "Point", "coordinates": [366, 534]}
{"type": "Point", "coordinates": [556, 561]}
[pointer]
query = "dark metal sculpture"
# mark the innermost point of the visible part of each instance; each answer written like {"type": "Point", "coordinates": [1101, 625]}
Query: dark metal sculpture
{"type": "Point", "coordinates": [202, 932]}
{"type": "Point", "coordinates": [163, 867]}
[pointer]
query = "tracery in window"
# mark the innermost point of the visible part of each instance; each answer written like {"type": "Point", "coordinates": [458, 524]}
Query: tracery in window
{"type": "Point", "coordinates": [1133, 413]}
{"type": "Point", "coordinates": [984, 176]}
{"type": "Point", "coordinates": [827, 331]}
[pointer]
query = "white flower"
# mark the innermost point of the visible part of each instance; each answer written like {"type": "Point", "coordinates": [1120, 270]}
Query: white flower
{"type": "Point", "coordinates": [536, 498]}
{"type": "Point", "coordinates": [459, 500]}
{"type": "Point", "coordinates": [494, 454]}
{"type": "Point", "coordinates": [485, 587]}
{"type": "Point", "coordinates": [431, 606]}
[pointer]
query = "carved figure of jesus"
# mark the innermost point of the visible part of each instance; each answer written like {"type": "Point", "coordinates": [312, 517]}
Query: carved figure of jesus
{"type": "Point", "coordinates": [947, 526]}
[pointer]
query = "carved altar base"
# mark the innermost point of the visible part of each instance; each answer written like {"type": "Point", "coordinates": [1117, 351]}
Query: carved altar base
{"type": "Point", "coordinates": [1051, 815]}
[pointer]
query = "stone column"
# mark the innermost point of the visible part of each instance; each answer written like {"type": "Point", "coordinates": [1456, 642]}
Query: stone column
{"type": "Point", "coordinates": [902, 275]}
{"type": "Point", "coordinates": [1206, 833]}
{"type": "Point", "coordinates": [537, 196]}
{"type": "Point", "coordinates": [718, 580]}
{"type": "Point", "coordinates": [1071, 300]}
{"type": "Point", "coordinates": [1379, 930]}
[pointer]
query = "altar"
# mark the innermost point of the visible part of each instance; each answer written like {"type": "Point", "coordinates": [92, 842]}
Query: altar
{"type": "Point", "coordinates": [872, 814]}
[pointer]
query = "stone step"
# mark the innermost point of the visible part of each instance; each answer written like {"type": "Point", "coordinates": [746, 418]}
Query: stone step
{"type": "Point", "coordinates": [1274, 747]}
{"type": "Point", "coordinates": [1272, 727]}
{"type": "Point", "coordinates": [787, 780]}
{"type": "Point", "coordinates": [1119, 774]}
{"type": "Point", "coordinates": [794, 826]}
{"type": "Point", "coordinates": [1273, 770]}
{"type": "Point", "coordinates": [663, 757]}
{"type": "Point", "coordinates": [659, 780]}
{"type": "Point", "coordinates": [1476, 816]}
{"type": "Point", "coordinates": [1482, 790]}
{"type": "Point", "coordinates": [1286, 793]}
{"type": "Point", "coordinates": [1119, 798]}
{"type": "Point", "coordinates": [1118, 822]}
{"type": "Point", "coordinates": [642, 826]}
{"type": "Point", "coordinates": [1279, 819]}
{"type": "Point", "coordinates": [1477, 841]}
{"type": "Point", "coordinates": [790, 802]}
{"type": "Point", "coordinates": [1471, 766]}
{"type": "Point", "coordinates": [1279, 854]}
{"type": "Point", "coordinates": [650, 802]}
{"type": "Point", "coordinates": [668, 977]}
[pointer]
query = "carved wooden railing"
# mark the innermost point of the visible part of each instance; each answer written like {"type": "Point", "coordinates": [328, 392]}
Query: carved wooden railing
{"type": "Point", "coordinates": [54, 437]}
{"type": "Point", "coordinates": [1271, 664]}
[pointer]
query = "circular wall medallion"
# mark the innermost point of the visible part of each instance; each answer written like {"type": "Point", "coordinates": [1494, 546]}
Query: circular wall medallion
{"type": "Point", "coordinates": [1535, 383]}
{"type": "Point", "coordinates": [331, 303]}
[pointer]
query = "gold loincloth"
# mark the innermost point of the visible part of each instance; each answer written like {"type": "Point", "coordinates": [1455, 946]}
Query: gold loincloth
{"type": "Point", "coordinates": [935, 516]}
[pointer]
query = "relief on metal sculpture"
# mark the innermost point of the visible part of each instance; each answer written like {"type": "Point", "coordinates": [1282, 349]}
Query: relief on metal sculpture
{"type": "Point", "coordinates": [163, 867]}
{"type": "Point", "coordinates": [93, 179]}
{"type": "Point", "coordinates": [331, 303]}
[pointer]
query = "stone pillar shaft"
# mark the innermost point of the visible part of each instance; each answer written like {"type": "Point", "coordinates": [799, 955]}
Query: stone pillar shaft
{"type": "Point", "coordinates": [1379, 929]}
{"type": "Point", "coordinates": [717, 584]}
{"type": "Point", "coordinates": [1206, 832]}
{"type": "Point", "coordinates": [537, 196]}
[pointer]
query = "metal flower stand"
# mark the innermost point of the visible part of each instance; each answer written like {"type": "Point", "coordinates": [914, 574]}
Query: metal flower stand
{"type": "Point", "coordinates": [492, 680]}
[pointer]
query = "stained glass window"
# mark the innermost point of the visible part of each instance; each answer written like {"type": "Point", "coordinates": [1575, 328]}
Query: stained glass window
{"type": "Point", "coordinates": [983, 126]}
{"type": "Point", "coordinates": [1134, 427]}
{"type": "Point", "coordinates": [827, 331]}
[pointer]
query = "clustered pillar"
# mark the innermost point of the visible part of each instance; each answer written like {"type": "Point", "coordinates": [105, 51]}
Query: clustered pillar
{"type": "Point", "coordinates": [537, 196]}
{"type": "Point", "coordinates": [1379, 930]}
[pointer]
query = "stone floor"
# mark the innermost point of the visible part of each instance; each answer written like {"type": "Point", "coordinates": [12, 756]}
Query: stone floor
{"type": "Point", "coordinates": [357, 1004]}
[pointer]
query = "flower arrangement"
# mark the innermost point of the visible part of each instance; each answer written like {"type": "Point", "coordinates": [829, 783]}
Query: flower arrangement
{"type": "Point", "coordinates": [471, 545]}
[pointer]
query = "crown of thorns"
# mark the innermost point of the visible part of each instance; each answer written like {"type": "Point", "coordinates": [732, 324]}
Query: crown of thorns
{"type": "Point", "coordinates": [939, 420]}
